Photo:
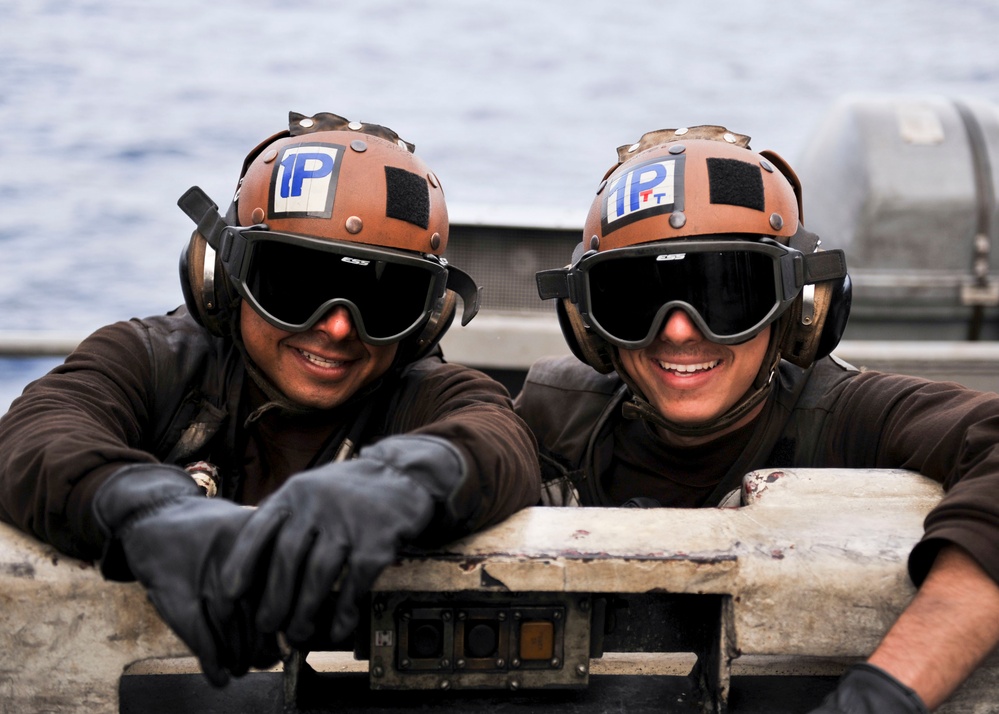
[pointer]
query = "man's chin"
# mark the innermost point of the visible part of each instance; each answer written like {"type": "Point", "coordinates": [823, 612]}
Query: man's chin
{"type": "Point", "coordinates": [692, 414]}
{"type": "Point", "coordinates": [316, 398]}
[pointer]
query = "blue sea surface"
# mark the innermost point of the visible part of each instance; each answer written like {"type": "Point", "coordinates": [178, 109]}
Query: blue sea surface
{"type": "Point", "coordinates": [110, 111]}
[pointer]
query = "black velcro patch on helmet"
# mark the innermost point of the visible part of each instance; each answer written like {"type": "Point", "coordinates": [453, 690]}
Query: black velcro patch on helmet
{"type": "Point", "coordinates": [736, 183]}
{"type": "Point", "coordinates": [407, 197]}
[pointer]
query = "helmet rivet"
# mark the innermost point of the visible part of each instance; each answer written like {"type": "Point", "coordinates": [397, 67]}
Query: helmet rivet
{"type": "Point", "coordinates": [353, 224]}
{"type": "Point", "coordinates": [602, 186]}
{"type": "Point", "coordinates": [358, 145]}
{"type": "Point", "coordinates": [677, 219]}
{"type": "Point", "coordinates": [729, 137]}
{"type": "Point", "coordinates": [594, 243]}
{"type": "Point", "coordinates": [681, 131]}
{"type": "Point", "coordinates": [776, 222]}
{"type": "Point", "coordinates": [633, 148]}
{"type": "Point", "coordinates": [354, 125]}
{"type": "Point", "coordinates": [433, 180]}
{"type": "Point", "coordinates": [435, 241]}
{"type": "Point", "coordinates": [269, 155]}
{"type": "Point", "coordinates": [677, 149]}
{"type": "Point", "coordinates": [306, 123]}
{"type": "Point", "coordinates": [767, 166]}
{"type": "Point", "coordinates": [257, 216]}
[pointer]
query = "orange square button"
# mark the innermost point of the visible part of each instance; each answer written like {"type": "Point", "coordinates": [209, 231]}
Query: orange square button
{"type": "Point", "coordinates": [537, 640]}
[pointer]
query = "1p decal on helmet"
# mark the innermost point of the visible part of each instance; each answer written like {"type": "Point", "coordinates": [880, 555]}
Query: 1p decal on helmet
{"type": "Point", "coordinates": [649, 189]}
{"type": "Point", "coordinates": [305, 181]}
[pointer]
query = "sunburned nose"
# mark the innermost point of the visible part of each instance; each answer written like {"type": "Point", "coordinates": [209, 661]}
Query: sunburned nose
{"type": "Point", "coordinates": [336, 323]}
{"type": "Point", "coordinates": [679, 329]}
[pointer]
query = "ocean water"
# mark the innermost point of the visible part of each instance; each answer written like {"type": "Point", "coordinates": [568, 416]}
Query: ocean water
{"type": "Point", "coordinates": [109, 111]}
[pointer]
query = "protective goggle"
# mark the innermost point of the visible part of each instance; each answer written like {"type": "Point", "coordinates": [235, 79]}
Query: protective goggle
{"type": "Point", "coordinates": [292, 281]}
{"type": "Point", "coordinates": [730, 287]}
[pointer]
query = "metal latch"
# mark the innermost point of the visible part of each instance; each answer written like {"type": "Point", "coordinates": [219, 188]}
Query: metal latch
{"type": "Point", "coordinates": [983, 291]}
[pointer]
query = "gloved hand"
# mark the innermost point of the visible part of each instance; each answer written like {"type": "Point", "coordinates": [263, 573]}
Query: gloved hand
{"type": "Point", "coordinates": [162, 531]}
{"type": "Point", "coordinates": [344, 519]}
{"type": "Point", "coordinates": [867, 689]}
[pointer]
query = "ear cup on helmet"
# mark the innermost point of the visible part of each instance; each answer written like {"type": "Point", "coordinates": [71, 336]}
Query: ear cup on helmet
{"type": "Point", "coordinates": [836, 317]}
{"type": "Point", "coordinates": [436, 326]}
{"type": "Point", "coordinates": [585, 345]}
{"type": "Point", "coordinates": [804, 343]}
{"type": "Point", "coordinates": [205, 288]}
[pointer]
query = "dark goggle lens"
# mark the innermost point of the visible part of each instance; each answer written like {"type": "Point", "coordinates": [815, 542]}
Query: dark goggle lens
{"type": "Point", "coordinates": [291, 282]}
{"type": "Point", "coordinates": [733, 291]}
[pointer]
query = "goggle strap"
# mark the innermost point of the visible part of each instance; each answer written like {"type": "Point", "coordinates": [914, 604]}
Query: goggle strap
{"type": "Point", "coordinates": [822, 266]}
{"type": "Point", "coordinates": [553, 283]}
{"type": "Point", "coordinates": [203, 211]}
{"type": "Point", "coordinates": [804, 241]}
{"type": "Point", "coordinates": [470, 293]}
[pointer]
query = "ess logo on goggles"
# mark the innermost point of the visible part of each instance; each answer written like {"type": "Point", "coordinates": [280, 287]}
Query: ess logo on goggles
{"type": "Point", "coordinates": [731, 288]}
{"type": "Point", "coordinates": [292, 281]}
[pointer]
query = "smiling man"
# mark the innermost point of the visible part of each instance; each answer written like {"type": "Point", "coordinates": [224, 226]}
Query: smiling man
{"type": "Point", "coordinates": [302, 377]}
{"type": "Point", "coordinates": [702, 317]}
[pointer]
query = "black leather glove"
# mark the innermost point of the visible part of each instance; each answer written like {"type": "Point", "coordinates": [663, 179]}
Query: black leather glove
{"type": "Point", "coordinates": [162, 531]}
{"type": "Point", "coordinates": [344, 519]}
{"type": "Point", "coordinates": [866, 689]}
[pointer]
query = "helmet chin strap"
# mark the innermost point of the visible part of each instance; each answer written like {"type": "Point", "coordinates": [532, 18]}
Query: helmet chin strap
{"type": "Point", "coordinates": [639, 407]}
{"type": "Point", "coordinates": [274, 395]}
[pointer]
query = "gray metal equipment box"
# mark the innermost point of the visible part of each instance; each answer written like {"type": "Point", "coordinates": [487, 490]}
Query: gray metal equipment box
{"type": "Point", "coordinates": [907, 187]}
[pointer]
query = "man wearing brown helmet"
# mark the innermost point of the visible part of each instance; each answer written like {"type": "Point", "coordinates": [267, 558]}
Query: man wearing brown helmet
{"type": "Point", "coordinates": [702, 316]}
{"type": "Point", "coordinates": [303, 377]}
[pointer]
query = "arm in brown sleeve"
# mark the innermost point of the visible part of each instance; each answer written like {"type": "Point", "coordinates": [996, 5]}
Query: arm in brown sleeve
{"type": "Point", "coordinates": [69, 431]}
{"type": "Point", "coordinates": [943, 431]}
{"type": "Point", "coordinates": [474, 413]}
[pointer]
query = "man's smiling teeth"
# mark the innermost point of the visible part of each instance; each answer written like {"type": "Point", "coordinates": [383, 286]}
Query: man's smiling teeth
{"type": "Point", "coordinates": [687, 368]}
{"type": "Point", "coordinates": [316, 359]}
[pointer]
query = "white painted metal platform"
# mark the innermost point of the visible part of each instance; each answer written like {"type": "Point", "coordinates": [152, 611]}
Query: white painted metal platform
{"type": "Point", "coordinates": [810, 573]}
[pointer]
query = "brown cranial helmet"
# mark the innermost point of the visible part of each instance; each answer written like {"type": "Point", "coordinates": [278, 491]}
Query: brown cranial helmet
{"type": "Point", "coordinates": [344, 181]}
{"type": "Point", "coordinates": [682, 183]}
